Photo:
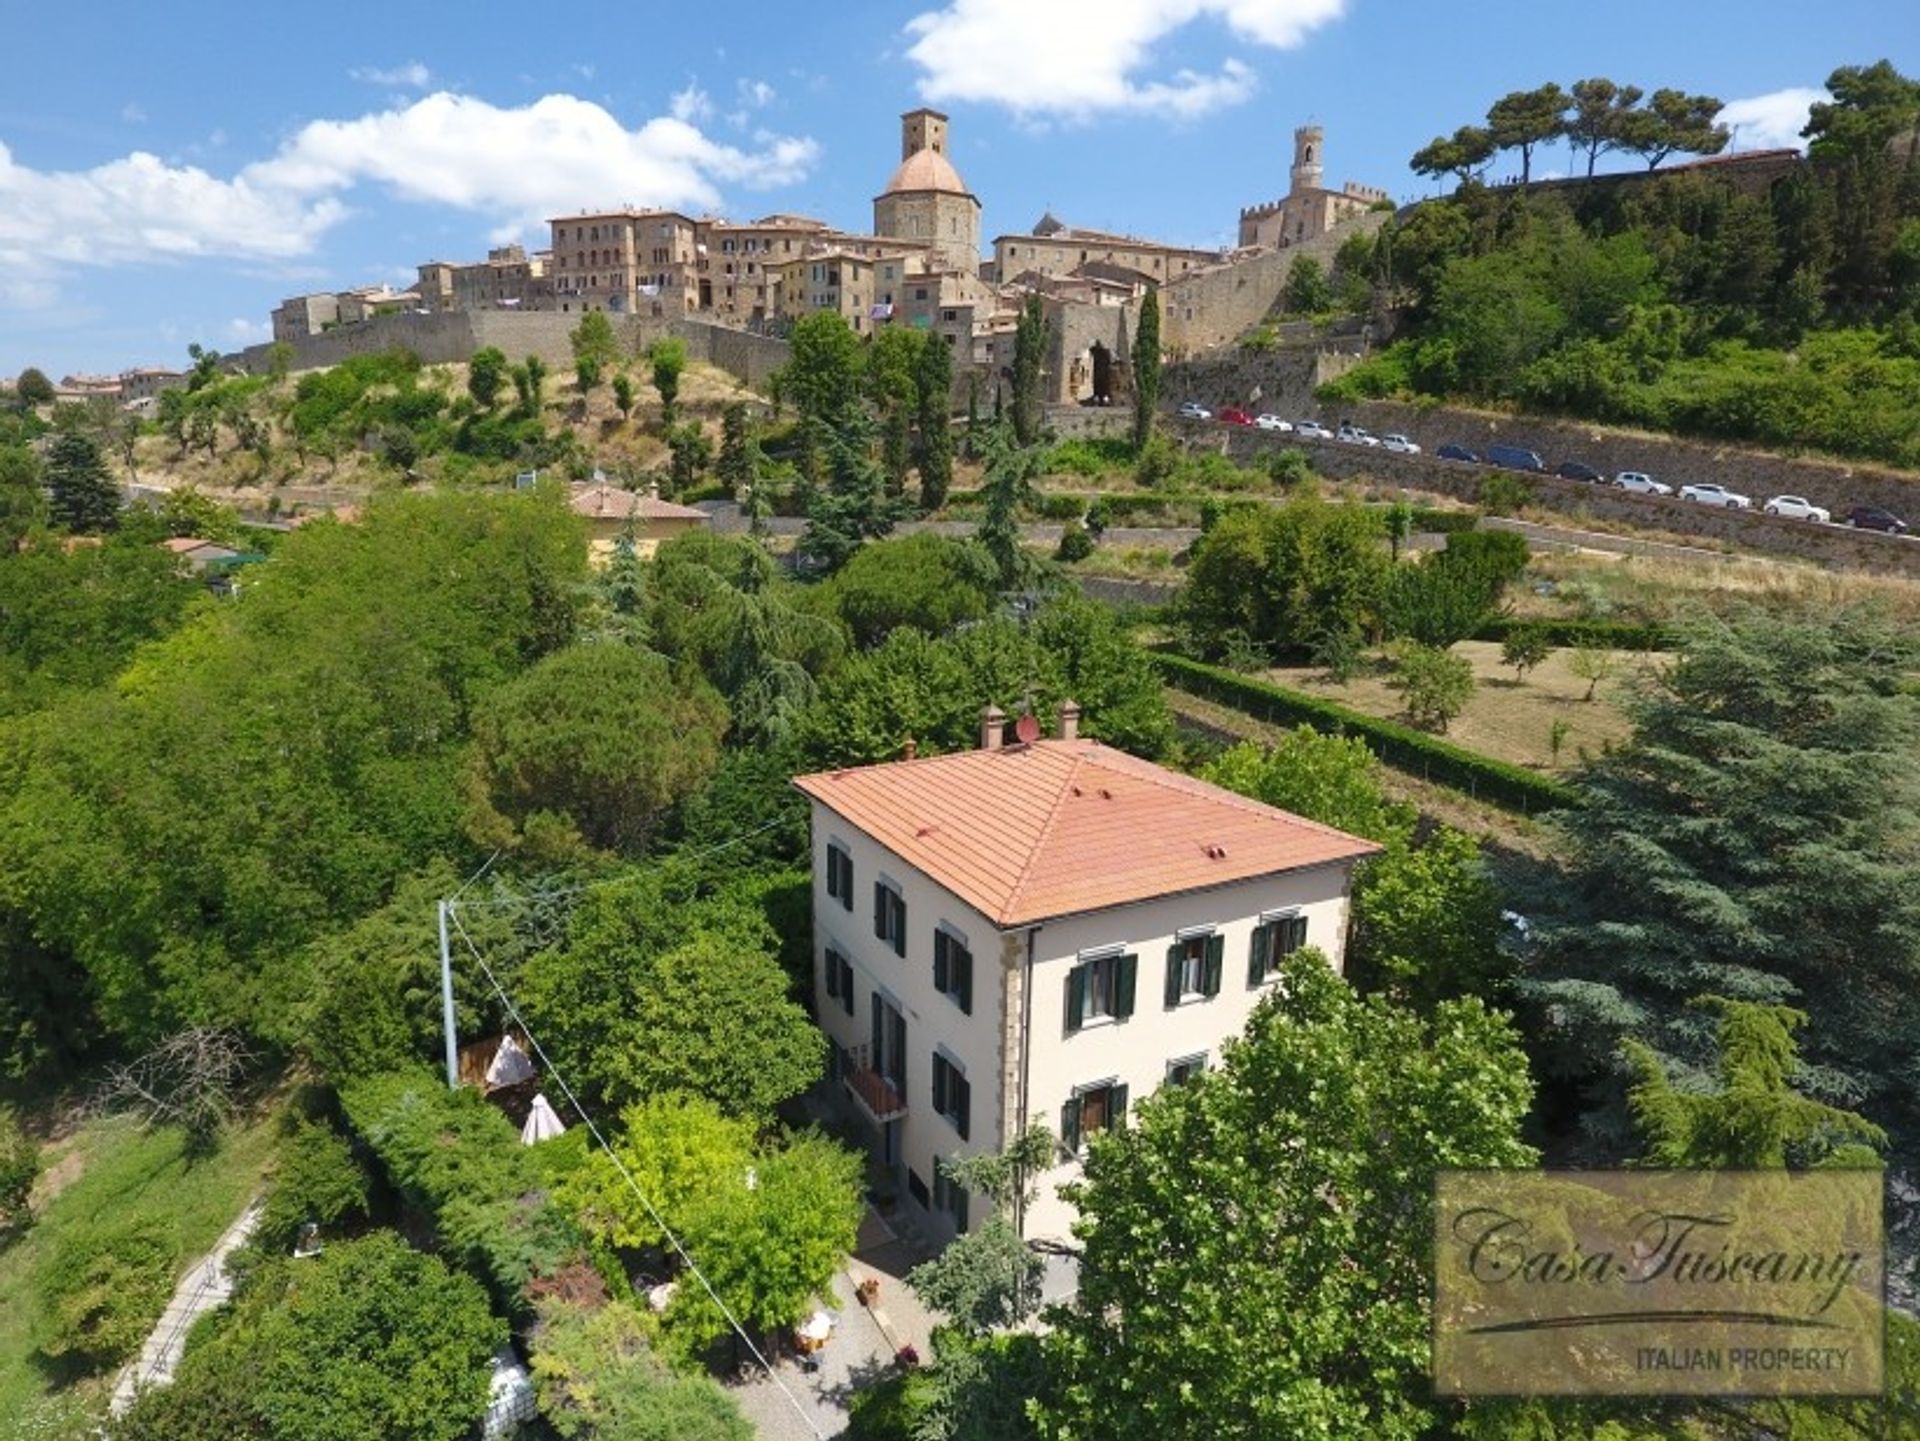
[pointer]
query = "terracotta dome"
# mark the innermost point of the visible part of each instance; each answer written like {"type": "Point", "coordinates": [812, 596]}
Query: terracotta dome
{"type": "Point", "coordinates": [926, 170]}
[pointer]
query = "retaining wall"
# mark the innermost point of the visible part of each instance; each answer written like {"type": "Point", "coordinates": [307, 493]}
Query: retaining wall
{"type": "Point", "coordinates": [1218, 305]}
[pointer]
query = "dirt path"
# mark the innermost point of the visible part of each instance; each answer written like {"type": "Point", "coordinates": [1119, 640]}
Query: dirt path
{"type": "Point", "coordinates": [204, 1287]}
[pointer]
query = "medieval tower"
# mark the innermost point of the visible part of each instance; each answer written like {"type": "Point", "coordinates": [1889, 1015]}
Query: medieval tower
{"type": "Point", "coordinates": [926, 198]}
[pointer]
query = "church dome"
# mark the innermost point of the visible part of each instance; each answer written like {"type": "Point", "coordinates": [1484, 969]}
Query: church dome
{"type": "Point", "coordinates": [926, 170]}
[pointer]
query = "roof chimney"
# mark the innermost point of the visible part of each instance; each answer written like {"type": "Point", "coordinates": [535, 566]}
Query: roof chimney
{"type": "Point", "coordinates": [1069, 720]}
{"type": "Point", "coordinates": [910, 749]}
{"type": "Point", "coordinates": [993, 728]}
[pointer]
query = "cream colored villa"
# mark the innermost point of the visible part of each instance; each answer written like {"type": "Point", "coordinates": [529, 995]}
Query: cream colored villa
{"type": "Point", "coordinates": [1044, 932]}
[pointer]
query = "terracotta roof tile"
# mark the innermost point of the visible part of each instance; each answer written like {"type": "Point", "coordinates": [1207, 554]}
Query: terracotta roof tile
{"type": "Point", "coordinates": [1027, 833]}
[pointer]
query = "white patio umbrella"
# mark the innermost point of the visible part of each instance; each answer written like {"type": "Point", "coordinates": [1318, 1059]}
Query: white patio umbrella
{"type": "Point", "coordinates": [543, 1123]}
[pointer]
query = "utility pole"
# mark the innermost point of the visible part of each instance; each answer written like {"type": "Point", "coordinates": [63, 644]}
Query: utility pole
{"type": "Point", "coordinates": [446, 1001]}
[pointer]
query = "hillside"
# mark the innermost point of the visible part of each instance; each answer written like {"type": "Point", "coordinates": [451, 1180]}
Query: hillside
{"type": "Point", "coordinates": [1781, 309]}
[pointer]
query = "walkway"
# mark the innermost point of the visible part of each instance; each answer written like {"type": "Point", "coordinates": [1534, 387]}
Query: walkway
{"type": "Point", "coordinates": [202, 1289]}
{"type": "Point", "coordinates": [861, 1351]}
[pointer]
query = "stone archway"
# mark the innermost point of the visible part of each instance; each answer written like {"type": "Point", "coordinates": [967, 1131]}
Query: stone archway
{"type": "Point", "coordinates": [1102, 376]}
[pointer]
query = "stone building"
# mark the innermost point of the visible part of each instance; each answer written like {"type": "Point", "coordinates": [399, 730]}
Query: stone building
{"type": "Point", "coordinates": [508, 279]}
{"type": "Point", "coordinates": [299, 316]}
{"type": "Point", "coordinates": [926, 200]}
{"type": "Point", "coordinates": [144, 382]}
{"type": "Point", "coordinates": [1308, 209]}
{"type": "Point", "coordinates": [627, 261]}
{"type": "Point", "coordinates": [1053, 248]}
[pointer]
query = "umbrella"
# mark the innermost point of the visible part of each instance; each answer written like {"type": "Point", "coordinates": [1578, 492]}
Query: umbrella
{"type": "Point", "coordinates": [510, 1065]}
{"type": "Point", "coordinates": [543, 1123]}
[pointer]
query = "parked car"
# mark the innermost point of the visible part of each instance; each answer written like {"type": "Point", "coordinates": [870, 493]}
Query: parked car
{"type": "Point", "coordinates": [1273, 422]}
{"type": "Point", "coordinates": [1453, 451]}
{"type": "Point", "coordinates": [1234, 415]}
{"type": "Point", "coordinates": [1512, 457]}
{"type": "Point", "coordinates": [1355, 435]}
{"type": "Point", "coordinates": [1193, 410]}
{"type": "Point", "coordinates": [1640, 483]}
{"type": "Point", "coordinates": [1708, 493]}
{"type": "Point", "coordinates": [1394, 441]}
{"type": "Point", "coordinates": [1575, 470]}
{"type": "Point", "coordinates": [1798, 507]}
{"type": "Point", "coordinates": [1872, 517]}
{"type": "Point", "coordinates": [1311, 430]}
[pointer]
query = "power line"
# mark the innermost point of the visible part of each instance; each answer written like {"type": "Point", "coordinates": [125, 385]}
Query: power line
{"type": "Point", "coordinates": [579, 888]}
{"type": "Point", "coordinates": [593, 1129]}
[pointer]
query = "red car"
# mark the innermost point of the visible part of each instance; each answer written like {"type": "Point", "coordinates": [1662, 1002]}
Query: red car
{"type": "Point", "coordinates": [1233, 415]}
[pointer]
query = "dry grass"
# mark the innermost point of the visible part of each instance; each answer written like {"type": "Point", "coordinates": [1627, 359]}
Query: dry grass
{"type": "Point", "coordinates": [1644, 587]}
{"type": "Point", "coordinates": [1508, 719]}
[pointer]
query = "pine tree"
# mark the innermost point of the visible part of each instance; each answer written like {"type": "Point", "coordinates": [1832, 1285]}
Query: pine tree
{"type": "Point", "coordinates": [1146, 368]}
{"type": "Point", "coordinates": [82, 498]}
{"type": "Point", "coordinates": [1009, 486]}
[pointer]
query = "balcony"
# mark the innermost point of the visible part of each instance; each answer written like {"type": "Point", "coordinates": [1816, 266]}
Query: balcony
{"type": "Point", "coordinates": [878, 1094]}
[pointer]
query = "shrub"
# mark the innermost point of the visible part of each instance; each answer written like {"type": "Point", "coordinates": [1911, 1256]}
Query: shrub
{"type": "Point", "coordinates": [1091, 458]}
{"type": "Point", "coordinates": [1061, 507]}
{"type": "Point", "coordinates": [19, 1165]}
{"type": "Point", "coordinates": [1075, 544]}
{"type": "Point", "coordinates": [1502, 493]}
{"type": "Point", "coordinates": [1524, 648]}
{"type": "Point", "coordinates": [99, 1290]}
{"type": "Point", "coordinates": [1288, 468]}
{"type": "Point", "coordinates": [1436, 684]}
{"type": "Point", "coordinates": [317, 1180]}
{"type": "Point", "coordinates": [1157, 463]}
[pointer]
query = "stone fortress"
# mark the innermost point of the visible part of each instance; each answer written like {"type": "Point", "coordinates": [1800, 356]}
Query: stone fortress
{"type": "Point", "coordinates": [920, 266]}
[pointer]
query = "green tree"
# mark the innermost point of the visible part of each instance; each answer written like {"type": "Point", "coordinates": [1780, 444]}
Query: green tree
{"type": "Point", "coordinates": [1435, 684]}
{"type": "Point", "coordinates": [1524, 648]}
{"type": "Point", "coordinates": [601, 737]}
{"type": "Point", "coordinates": [1307, 290]}
{"type": "Point", "coordinates": [822, 377]}
{"type": "Point", "coordinates": [486, 372]}
{"type": "Point", "coordinates": [855, 506]}
{"type": "Point", "coordinates": [1029, 368]}
{"type": "Point", "coordinates": [735, 468]}
{"type": "Point", "coordinates": [691, 452]}
{"type": "Point", "coordinates": [32, 387]}
{"type": "Point", "coordinates": [187, 510]}
{"type": "Point", "coordinates": [529, 384]}
{"type": "Point", "coordinates": [925, 581]}
{"type": "Point", "coordinates": [19, 1167]}
{"type": "Point", "coordinates": [316, 1181]}
{"type": "Point", "coordinates": [667, 361]}
{"type": "Point", "coordinates": [1526, 119]}
{"type": "Point", "coordinates": [1745, 842]}
{"type": "Point", "coordinates": [988, 1278]}
{"type": "Point", "coordinates": [368, 1339]}
{"type": "Point", "coordinates": [82, 499]}
{"type": "Point", "coordinates": [593, 343]}
{"type": "Point", "coordinates": [1183, 1327]}
{"type": "Point", "coordinates": [623, 395]}
{"type": "Point", "coordinates": [600, 1379]}
{"type": "Point", "coordinates": [1594, 127]}
{"type": "Point", "coordinates": [1463, 155]}
{"type": "Point", "coordinates": [933, 422]}
{"type": "Point", "coordinates": [1593, 663]}
{"type": "Point", "coordinates": [1146, 369]}
{"type": "Point", "coordinates": [23, 498]}
{"type": "Point", "coordinates": [1011, 465]}
{"type": "Point", "coordinates": [1673, 122]}
{"type": "Point", "coordinates": [205, 369]}
{"type": "Point", "coordinates": [893, 356]}
{"type": "Point", "coordinates": [1445, 597]}
{"type": "Point", "coordinates": [1399, 526]}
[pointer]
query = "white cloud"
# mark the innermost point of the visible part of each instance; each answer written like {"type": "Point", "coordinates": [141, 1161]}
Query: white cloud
{"type": "Point", "coordinates": [756, 93]}
{"type": "Point", "coordinates": [1075, 57]}
{"type": "Point", "coordinates": [410, 76]}
{"type": "Point", "coordinates": [1769, 122]}
{"type": "Point", "coordinates": [691, 105]}
{"type": "Point", "coordinates": [513, 165]}
{"type": "Point", "coordinates": [247, 332]}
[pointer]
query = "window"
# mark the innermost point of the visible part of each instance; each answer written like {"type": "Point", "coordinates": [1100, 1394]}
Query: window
{"type": "Point", "coordinates": [1274, 939]}
{"type": "Point", "coordinates": [1186, 1068]}
{"type": "Point", "coordinates": [953, 969]}
{"type": "Point", "coordinates": [920, 293]}
{"type": "Point", "coordinates": [1101, 988]}
{"type": "Point", "coordinates": [952, 1095]}
{"type": "Point", "coordinates": [949, 1195]}
{"type": "Point", "coordinates": [1099, 1107]}
{"type": "Point", "coordinates": [1193, 967]}
{"type": "Point", "coordinates": [840, 875]}
{"type": "Point", "coordinates": [839, 980]}
{"type": "Point", "coordinates": [890, 916]}
{"type": "Point", "coordinates": [917, 1189]}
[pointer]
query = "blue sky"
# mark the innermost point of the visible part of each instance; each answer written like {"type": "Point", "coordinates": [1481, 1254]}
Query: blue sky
{"type": "Point", "coordinates": [170, 179]}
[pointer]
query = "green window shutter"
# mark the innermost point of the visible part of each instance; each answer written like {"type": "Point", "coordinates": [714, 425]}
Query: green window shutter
{"type": "Point", "coordinates": [962, 1105]}
{"type": "Point", "coordinates": [1126, 972]}
{"type": "Point", "coordinates": [960, 1207]}
{"type": "Point", "coordinates": [847, 997]}
{"type": "Point", "coordinates": [846, 880]}
{"type": "Point", "coordinates": [899, 926]}
{"type": "Point", "coordinates": [939, 1083]}
{"type": "Point", "coordinates": [833, 976]}
{"type": "Point", "coordinates": [1257, 955]}
{"type": "Point", "coordinates": [963, 963]}
{"type": "Point", "coordinates": [1116, 1107]}
{"type": "Point", "coordinates": [879, 910]}
{"type": "Point", "coordinates": [1216, 959]}
{"type": "Point", "coordinates": [1296, 935]}
{"type": "Point", "coordinates": [1070, 1124]}
{"type": "Point", "coordinates": [1176, 963]}
{"type": "Point", "coordinates": [941, 966]}
{"type": "Point", "coordinates": [1076, 998]}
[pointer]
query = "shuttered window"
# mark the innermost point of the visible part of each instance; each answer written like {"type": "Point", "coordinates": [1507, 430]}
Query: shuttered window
{"type": "Point", "coordinates": [890, 916]}
{"type": "Point", "coordinates": [1101, 989]}
{"type": "Point", "coordinates": [1273, 941]}
{"type": "Point", "coordinates": [953, 969]}
{"type": "Point", "coordinates": [949, 1195]}
{"type": "Point", "coordinates": [1091, 1109]}
{"type": "Point", "coordinates": [952, 1095]}
{"type": "Point", "coordinates": [1194, 964]}
{"type": "Point", "coordinates": [840, 875]}
{"type": "Point", "coordinates": [839, 980]}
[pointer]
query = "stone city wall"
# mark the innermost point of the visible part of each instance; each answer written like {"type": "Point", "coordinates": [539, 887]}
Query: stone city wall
{"type": "Point", "coordinates": [1214, 307]}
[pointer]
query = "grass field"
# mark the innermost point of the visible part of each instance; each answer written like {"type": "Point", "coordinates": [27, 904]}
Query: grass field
{"type": "Point", "coordinates": [1507, 719]}
{"type": "Point", "coordinates": [109, 1171]}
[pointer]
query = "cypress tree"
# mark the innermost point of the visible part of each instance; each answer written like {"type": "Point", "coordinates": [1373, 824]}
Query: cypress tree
{"type": "Point", "coordinates": [1146, 368]}
{"type": "Point", "coordinates": [933, 398]}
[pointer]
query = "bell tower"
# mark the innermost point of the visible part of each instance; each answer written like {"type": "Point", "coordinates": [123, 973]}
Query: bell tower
{"type": "Point", "coordinates": [1308, 143]}
{"type": "Point", "coordinates": [922, 130]}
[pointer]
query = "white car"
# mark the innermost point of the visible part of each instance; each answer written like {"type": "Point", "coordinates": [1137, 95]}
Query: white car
{"type": "Point", "coordinates": [1354, 435]}
{"type": "Point", "coordinates": [1640, 483]}
{"type": "Point", "coordinates": [1273, 422]}
{"type": "Point", "coordinates": [1394, 441]}
{"type": "Point", "coordinates": [1311, 430]}
{"type": "Point", "coordinates": [1710, 494]}
{"type": "Point", "coordinates": [1194, 410]}
{"type": "Point", "coordinates": [1798, 507]}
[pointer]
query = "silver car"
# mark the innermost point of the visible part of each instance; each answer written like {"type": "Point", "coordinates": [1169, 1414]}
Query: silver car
{"type": "Point", "coordinates": [1710, 494]}
{"type": "Point", "coordinates": [1798, 507]}
{"type": "Point", "coordinates": [1640, 483]}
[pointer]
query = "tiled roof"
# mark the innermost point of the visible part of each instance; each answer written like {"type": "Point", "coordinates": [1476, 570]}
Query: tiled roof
{"type": "Point", "coordinates": [1026, 833]}
{"type": "Point", "coordinates": [926, 170]}
{"type": "Point", "coordinates": [603, 501]}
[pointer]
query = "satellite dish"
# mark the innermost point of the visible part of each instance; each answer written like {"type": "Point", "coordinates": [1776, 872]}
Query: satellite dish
{"type": "Point", "coordinates": [1027, 730]}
